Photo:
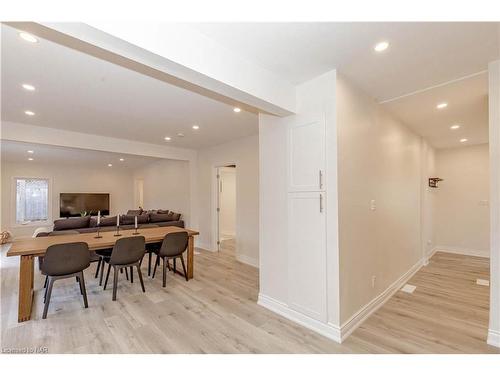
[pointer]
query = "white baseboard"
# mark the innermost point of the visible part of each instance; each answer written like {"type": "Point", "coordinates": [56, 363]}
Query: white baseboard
{"type": "Point", "coordinates": [462, 251]}
{"type": "Point", "coordinates": [247, 260]}
{"type": "Point", "coordinates": [494, 338]}
{"type": "Point", "coordinates": [364, 313]}
{"type": "Point", "coordinates": [324, 329]}
{"type": "Point", "coordinates": [205, 246]}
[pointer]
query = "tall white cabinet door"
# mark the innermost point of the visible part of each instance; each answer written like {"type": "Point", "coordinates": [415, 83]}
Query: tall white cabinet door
{"type": "Point", "coordinates": [307, 152]}
{"type": "Point", "coordinates": [307, 254]}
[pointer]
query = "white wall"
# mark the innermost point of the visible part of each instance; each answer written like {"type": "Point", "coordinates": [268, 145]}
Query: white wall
{"type": "Point", "coordinates": [227, 202]}
{"type": "Point", "coordinates": [494, 132]}
{"type": "Point", "coordinates": [165, 185]}
{"type": "Point", "coordinates": [380, 160]}
{"type": "Point", "coordinates": [462, 200]}
{"type": "Point", "coordinates": [428, 201]}
{"type": "Point", "coordinates": [67, 179]}
{"type": "Point", "coordinates": [244, 153]}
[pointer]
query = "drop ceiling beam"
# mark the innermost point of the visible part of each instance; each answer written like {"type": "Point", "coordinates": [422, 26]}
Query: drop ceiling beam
{"type": "Point", "coordinates": [176, 54]}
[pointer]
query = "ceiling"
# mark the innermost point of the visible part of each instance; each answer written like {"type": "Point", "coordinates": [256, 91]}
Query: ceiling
{"type": "Point", "coordinates": [78, 92]}
{"type": "Point", "coordinates": [467, 106]}
{"type": "Point", "coordinates": [420, 54]}
{"type": "Point", "coordinates": [17, 152]}
{"type": "Point", "coordinates": [420, 57]}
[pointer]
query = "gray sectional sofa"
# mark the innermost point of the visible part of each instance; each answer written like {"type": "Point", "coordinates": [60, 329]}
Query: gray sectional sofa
{"type": "Point", "coordinates": [145, 219]}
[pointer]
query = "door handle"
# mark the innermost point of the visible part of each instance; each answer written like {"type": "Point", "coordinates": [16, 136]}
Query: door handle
{"type": "Point", "coordinates": [320, 202]}
{"type": "Point", "coordinates": [320, 179]}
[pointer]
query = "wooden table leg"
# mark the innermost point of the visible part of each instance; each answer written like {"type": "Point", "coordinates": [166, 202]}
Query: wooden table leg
{"type": "Point", "coordinates": [26, 280]}
{"type": "Point", "coordinates": [190, 258]}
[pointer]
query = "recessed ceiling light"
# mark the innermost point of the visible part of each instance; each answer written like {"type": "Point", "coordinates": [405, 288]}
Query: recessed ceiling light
{"type": "Point", "coordinates": [442, 105]}
{"type": "Point", "coordinates": [464, 140]}
{"type": "Point", "coordinates": [454, 127]}
{"type": "Point", "coordinates": [30, 151]}
{"type": "Point", "coordinates": [110, 165]}
{"type": "Point", "coordinates": [196, 127]}
{"type": "Point", "coordinates": [28, 37]}
{"type": "Point", "coordinates": [167, 138]}
{"type": "Point", "coordinates": [30, 159]}
{"type": "Point", "coordinates": [28, 87]}
{"type": "Point", "coordinates": [122, 159]}
{"type": "Point", "coordinates": [382, 46]}
{"type": "Point", "coordinates": [180, 134]}
{"type": "Point", "coordinates": [29, 113]}
{"type": "Point", "coordinates": [237, 110]}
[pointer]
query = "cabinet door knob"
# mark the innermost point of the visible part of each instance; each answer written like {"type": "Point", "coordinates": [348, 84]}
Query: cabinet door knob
{"type": "Point", "coordinates": [320, 202]}
{"type": "Point", "coordinates": [320, 179]}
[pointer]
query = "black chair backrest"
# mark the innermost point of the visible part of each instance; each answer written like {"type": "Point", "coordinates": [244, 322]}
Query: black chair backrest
{"type": "Point", "coordinates": [66, 258]}
{"type": "Point", "coordinates": [174, 244]}
{"type": "Point", "coordinates": [128, 250]}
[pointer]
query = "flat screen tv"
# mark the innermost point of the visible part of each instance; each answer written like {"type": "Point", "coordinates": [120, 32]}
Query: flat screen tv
{"type": "Point", "coordinates": [78, 204]}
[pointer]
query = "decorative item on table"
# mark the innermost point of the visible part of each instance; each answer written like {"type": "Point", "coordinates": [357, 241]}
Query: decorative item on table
{"type": "Point", "coordinates": [117, 234]}
{"type": "Point", "coordinates": [5, 236]}
{"type": "Point", "coordinates": [135, 226]}
{"type": "Point", "coordinates": [98, 225]}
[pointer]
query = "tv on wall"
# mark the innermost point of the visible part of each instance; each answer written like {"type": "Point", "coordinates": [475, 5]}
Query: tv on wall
{"type": "Point", "coordinates": [82, 204]}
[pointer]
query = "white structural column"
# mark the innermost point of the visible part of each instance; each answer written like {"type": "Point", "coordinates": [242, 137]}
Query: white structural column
{"type": "Point", "coordinates": [177, 54]}
{"type": "Point", "coordinates": [299, 254]}
{"type": "Point", "coordinates": [494, 123]}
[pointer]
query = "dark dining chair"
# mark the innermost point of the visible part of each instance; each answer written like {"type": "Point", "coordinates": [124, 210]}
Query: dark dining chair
{"type": "Point", "coordinates": [173, 247]}
{"type": "Point", "coordinates": [62, 261]}
{"type": "Point", "coordinates": [127, 252]}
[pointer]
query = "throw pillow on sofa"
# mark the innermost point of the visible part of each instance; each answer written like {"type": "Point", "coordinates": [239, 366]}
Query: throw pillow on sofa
{"type": "Point", "coordinates": [163, 211]}
{"type": "Point", "coordinates": [72, 223]}
{"type": "Point", "coordinates": [108, 221]}
{"type": "Point", "coordinates": [130, 219]}
{"type": "Point", "coordinates": [174, 216]}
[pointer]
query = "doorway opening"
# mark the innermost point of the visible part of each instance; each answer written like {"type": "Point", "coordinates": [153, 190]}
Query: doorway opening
{"type": "Point", "coordinates": [226, 209]}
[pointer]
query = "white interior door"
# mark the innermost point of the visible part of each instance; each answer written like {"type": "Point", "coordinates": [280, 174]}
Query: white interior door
{"type": "Point", "coordinates": [306, 166]}
{"type": "Point", "coordinates": [307, 254]}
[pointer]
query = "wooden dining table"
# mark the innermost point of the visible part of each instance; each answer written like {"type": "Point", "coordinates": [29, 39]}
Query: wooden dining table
{"type": "Point", "coordinates": [29, 249]}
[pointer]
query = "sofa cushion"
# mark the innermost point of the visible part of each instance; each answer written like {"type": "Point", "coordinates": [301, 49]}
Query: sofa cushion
{"type": "Point", "coordinates": [163, 211]}
{"type": "Point", "coordinates": [156, 218]}
{"type": "Point", "coordinates": [108, 221]}
{"type": "Point", "coordinates": [72, 223]}
{"type": "Point", "coordinates": [130, 219]}
{"type": "Point", "coordinates": [179, 223]}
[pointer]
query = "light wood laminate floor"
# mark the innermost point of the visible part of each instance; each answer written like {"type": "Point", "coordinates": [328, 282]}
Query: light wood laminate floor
{"type": "Point", "coordinates": [216, 312]}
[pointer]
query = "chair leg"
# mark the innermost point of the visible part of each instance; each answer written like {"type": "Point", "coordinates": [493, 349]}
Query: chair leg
{"type": "Point", "coordinates": [126, 272]}
{"type": "Point", "coordinates": [131, 275]}
{"type": "Point", "coordinates": [139, 272]}
{"type": "Point", "coordinates": [46, 281]}
{"type": "Point", "coordinates": [47, 298]}
{"type": "Point", "coordinates": [84, 291]}
{"type": "Point", "coordinates": [102, 271]}
{"type": "Point", "coordinates": [45, 286]}
{"type": "Point", "coordinates": [97, 269]}
{"type": "Point", "coordinates": [164, 272]}
{"type": "Point", "coordinates": [80, 284]}
{"type": "Point", "coordinates": [184, 268]}
{"type": "Point", "coordinates": [156, 264]}
{"type": "Point", "coordinates": [175, 262]}
{"type": "Point", "coordinates": [149, 263]}
{"type": "Point", "coordinates": [115, 282]}
{"type": "Point", "coordinates": [107, 277]}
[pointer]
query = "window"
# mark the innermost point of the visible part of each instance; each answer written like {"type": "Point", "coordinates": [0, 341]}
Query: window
{"type": "Point", "coordinates": [32, 200]}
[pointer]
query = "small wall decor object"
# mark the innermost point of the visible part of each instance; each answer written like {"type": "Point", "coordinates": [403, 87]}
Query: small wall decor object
{"type": "Point", "coordinates": [433, 181]}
